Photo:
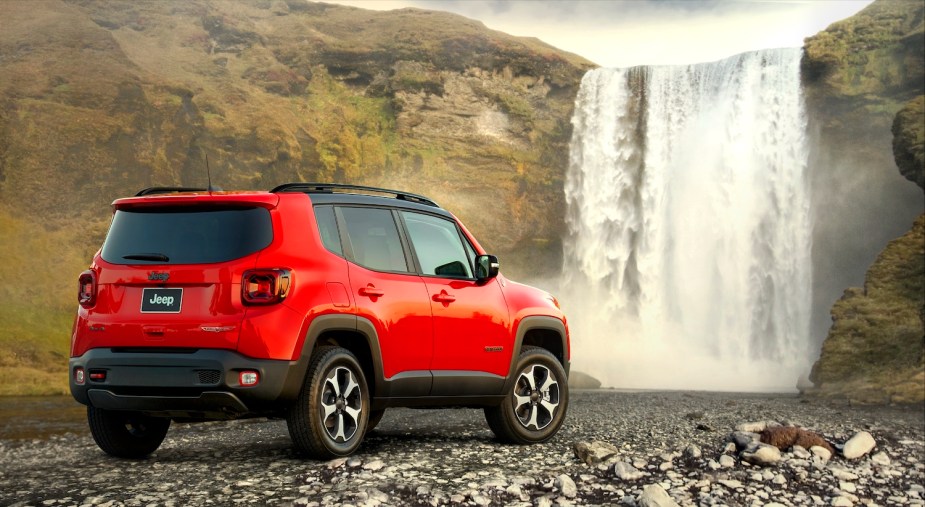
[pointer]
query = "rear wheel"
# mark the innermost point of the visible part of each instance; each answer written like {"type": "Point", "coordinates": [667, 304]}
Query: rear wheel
{"type": "Point", "coordinates": [534, 408]}
{"type": "Point", "coordinates": [330, 416]}
{"type": "Point", "coordinates": [126, 434]}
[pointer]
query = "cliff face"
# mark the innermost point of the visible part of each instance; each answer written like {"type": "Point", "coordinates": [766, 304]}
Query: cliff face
{"type": "Point", "coordinates": [864, 78]}
{"type": "Point", "coordinates": [909, 140]}
{"type": "Point", "coordinates": [857, 74]}
{"type": "Point", "coordinates": [99, 99]}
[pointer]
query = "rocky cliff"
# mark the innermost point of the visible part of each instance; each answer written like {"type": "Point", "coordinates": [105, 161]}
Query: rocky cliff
{"type": "Point", "coordinates": [857, 74]}
{"type": "Point", "coordinates": [864, 78]}
{"type": "Point", "coordinates": [99, 99]}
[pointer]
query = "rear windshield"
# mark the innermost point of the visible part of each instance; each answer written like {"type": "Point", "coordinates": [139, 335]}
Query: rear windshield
{"type": "Point", "coordinates": [177, 235]}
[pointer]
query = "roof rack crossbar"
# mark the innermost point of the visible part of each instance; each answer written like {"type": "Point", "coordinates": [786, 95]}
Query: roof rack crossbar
{"type": "Point", "coordinates": [331, 187]}
{"type": "Point", "coordinates": [167, 190]}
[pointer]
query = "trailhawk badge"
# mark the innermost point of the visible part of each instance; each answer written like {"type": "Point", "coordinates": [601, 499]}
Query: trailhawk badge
{"type": "Point", "coordinates": [161, 300]}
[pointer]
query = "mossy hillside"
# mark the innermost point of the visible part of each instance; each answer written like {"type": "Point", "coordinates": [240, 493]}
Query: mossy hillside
{"type": "Point", "coordinates": [875, 351]}
{"type": "Point", "coordinates": [99, 99]}
{"type": "Point", "coordinates": [909, 140]}
{"type": "Point", "coordinates": [868, 65]}
{"type": "Point", "coordinates": [38, 300]}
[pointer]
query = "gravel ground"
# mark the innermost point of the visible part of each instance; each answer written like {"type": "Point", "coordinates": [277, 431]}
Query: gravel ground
{"type": "Point", "coordinates": [449, 457]}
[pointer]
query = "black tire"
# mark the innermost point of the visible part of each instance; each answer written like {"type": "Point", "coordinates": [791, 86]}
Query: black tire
{"type": "Point", "coordinates": [329, 418]}
{"type": "Point", "coordinates": [534, 408]}
{"type": "Point", "coordinates": [126, 434]}
{"type": "Point", "coordinates": [374, 417]}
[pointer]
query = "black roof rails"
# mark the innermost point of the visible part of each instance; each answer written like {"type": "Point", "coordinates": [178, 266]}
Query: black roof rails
{"type": "Point", "coordinates": [329, 188]}
{"type": "Point", "coordinates": [167, 190]}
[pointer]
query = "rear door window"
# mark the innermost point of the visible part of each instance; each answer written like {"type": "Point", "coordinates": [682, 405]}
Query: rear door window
{"type": "Point", "coordinates": [186, 235]}
{"type": "Point", "coordinates": [374, 239]}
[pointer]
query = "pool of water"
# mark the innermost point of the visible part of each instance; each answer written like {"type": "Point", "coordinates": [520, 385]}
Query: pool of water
{"type": "Point", "coordinates": [38, 417]}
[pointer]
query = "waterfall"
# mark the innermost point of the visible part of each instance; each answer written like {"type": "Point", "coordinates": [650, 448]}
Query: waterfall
{"type": "Point", "coordinates": [687, 261]}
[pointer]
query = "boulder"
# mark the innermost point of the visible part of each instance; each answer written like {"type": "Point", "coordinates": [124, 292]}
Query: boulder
{"type": "Point", "coordinates": [764, 455]}
{"type": "Point", "coordinates": [654, 495]}
{"type": "Point", "coordinates": [626, 471]}
{"type": "Point", "coordinates": [859, 445]}
{"type": "Point", "coordinates": [592, 453]}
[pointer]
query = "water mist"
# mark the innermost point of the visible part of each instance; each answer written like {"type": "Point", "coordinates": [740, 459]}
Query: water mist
{"type": "Point", "coordinates": [687, 261]}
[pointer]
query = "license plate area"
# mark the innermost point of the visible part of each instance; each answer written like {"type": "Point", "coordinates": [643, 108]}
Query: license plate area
{"type": "Point", "coordinates": [161, 300]}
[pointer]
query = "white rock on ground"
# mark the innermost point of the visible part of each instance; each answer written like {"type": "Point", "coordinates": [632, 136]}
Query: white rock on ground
{"type": "Point", "coordinates": [764, 455]}
{"type": "Point", "coordinates": [821, 452]}
{"type": "Point", "coordinates": [567, 486]}
{"type": "Point", "coordinates": [654, 495]}
{"type": "Point", "coordinates": [860, 444]}
{"type": "Point", "coordinates": [881, 458]}
{"type": "Point", "coordinates": [627, 472]}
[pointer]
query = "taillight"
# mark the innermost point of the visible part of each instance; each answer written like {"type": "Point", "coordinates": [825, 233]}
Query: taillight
{"type": "Point", "coordinates": [265, 286]}
{"type": "Point", "coordinates": [86, 289]}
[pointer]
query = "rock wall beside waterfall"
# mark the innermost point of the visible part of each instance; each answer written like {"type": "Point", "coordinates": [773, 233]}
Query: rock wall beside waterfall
{"type": "Point", "coordinates": [865, 77]}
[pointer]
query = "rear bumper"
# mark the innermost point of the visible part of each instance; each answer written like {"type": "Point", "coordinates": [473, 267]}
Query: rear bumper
{"type": "Point", "coordinates": [200, 384]}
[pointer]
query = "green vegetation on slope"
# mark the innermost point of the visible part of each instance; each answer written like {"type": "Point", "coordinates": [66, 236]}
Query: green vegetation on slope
{"type": "Point", "coordinates": [859, 76]}
{"type": "Point", "coordinates": [875, 351]}
{"type": "Point", "coordinates": [38, 299]}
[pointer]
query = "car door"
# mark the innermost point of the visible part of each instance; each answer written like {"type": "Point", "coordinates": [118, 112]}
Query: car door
{"type": "Point", "coordinates": [472, 339]}
{"type": "Point", "coordinates": [391, 296]}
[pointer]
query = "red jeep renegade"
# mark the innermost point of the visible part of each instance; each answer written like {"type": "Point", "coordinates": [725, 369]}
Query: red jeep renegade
{"type": "Point", "coordinates": [322, 303]}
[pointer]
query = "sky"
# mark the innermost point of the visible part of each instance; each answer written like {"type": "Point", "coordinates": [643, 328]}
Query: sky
{"type": "Point", "coordinates": [625, 33]}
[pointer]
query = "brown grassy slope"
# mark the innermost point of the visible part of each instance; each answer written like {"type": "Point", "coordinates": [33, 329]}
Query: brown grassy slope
{"type": "Point", "coordinates": [99, 99]}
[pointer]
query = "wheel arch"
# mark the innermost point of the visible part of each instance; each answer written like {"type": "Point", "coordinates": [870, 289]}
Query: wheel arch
{"type": "Point", "coordinates": [356, 334]}
{"type": "Point", "coordinates": [539, 331]}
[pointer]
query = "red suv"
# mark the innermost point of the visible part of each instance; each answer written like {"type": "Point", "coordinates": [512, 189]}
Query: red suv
{"type": "Point", "coordinates": [322, 303]}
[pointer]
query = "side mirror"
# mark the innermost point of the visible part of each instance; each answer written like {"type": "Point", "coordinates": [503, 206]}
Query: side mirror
{"type": "Point", "coordinates": [486, 267]}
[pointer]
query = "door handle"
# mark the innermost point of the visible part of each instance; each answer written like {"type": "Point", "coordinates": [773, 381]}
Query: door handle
{"type": "Point", "coordinates": [443, 297]}
{"type": "Point", "coordinates": [371, 291]}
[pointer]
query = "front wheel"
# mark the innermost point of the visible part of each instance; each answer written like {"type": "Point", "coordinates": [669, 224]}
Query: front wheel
{"type": "Point", "coordinates": [534, 409]}
{"type": "Point", "coordinates": [126, 434]}
{"type": "Point", "coordinates": [330, 416]}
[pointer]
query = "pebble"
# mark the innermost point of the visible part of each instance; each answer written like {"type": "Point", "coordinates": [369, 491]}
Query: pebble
{"type": "Point", "coordinates": [727, 461]}
{"type": "Point", "coordinates": [881, 458]}
{"type": "Point", "coordinates": [439, 457]}
{"type": "Point", "coordinates": [374, 465]}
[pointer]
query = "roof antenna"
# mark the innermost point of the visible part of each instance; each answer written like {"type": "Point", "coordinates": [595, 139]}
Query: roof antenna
{"type": "Point", "coordinates": [209, 175]}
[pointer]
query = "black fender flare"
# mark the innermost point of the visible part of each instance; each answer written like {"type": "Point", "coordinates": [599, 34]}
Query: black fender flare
{"type": "Point", "coordinates": [533, 323]}
{"type": "Point", "coordinates": [334, 322]}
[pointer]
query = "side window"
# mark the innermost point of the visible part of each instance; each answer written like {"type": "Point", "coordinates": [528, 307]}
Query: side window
{"type": "Point", "coordinates": [437, 245]}
{"type": "Point", "coordinates": [327, 227]}
{"type": "Point", "coordinates": [374, 238]}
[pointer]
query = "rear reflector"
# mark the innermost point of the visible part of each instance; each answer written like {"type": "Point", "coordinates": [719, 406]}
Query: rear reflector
{"type": "Point", "coordinates": [248, 378]}
{"type": "Point", "coordinates": [98, 375]}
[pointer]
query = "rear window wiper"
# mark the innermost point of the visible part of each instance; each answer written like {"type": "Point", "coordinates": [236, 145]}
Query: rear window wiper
{"type": "Point", "coordinates": [146, 257]}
